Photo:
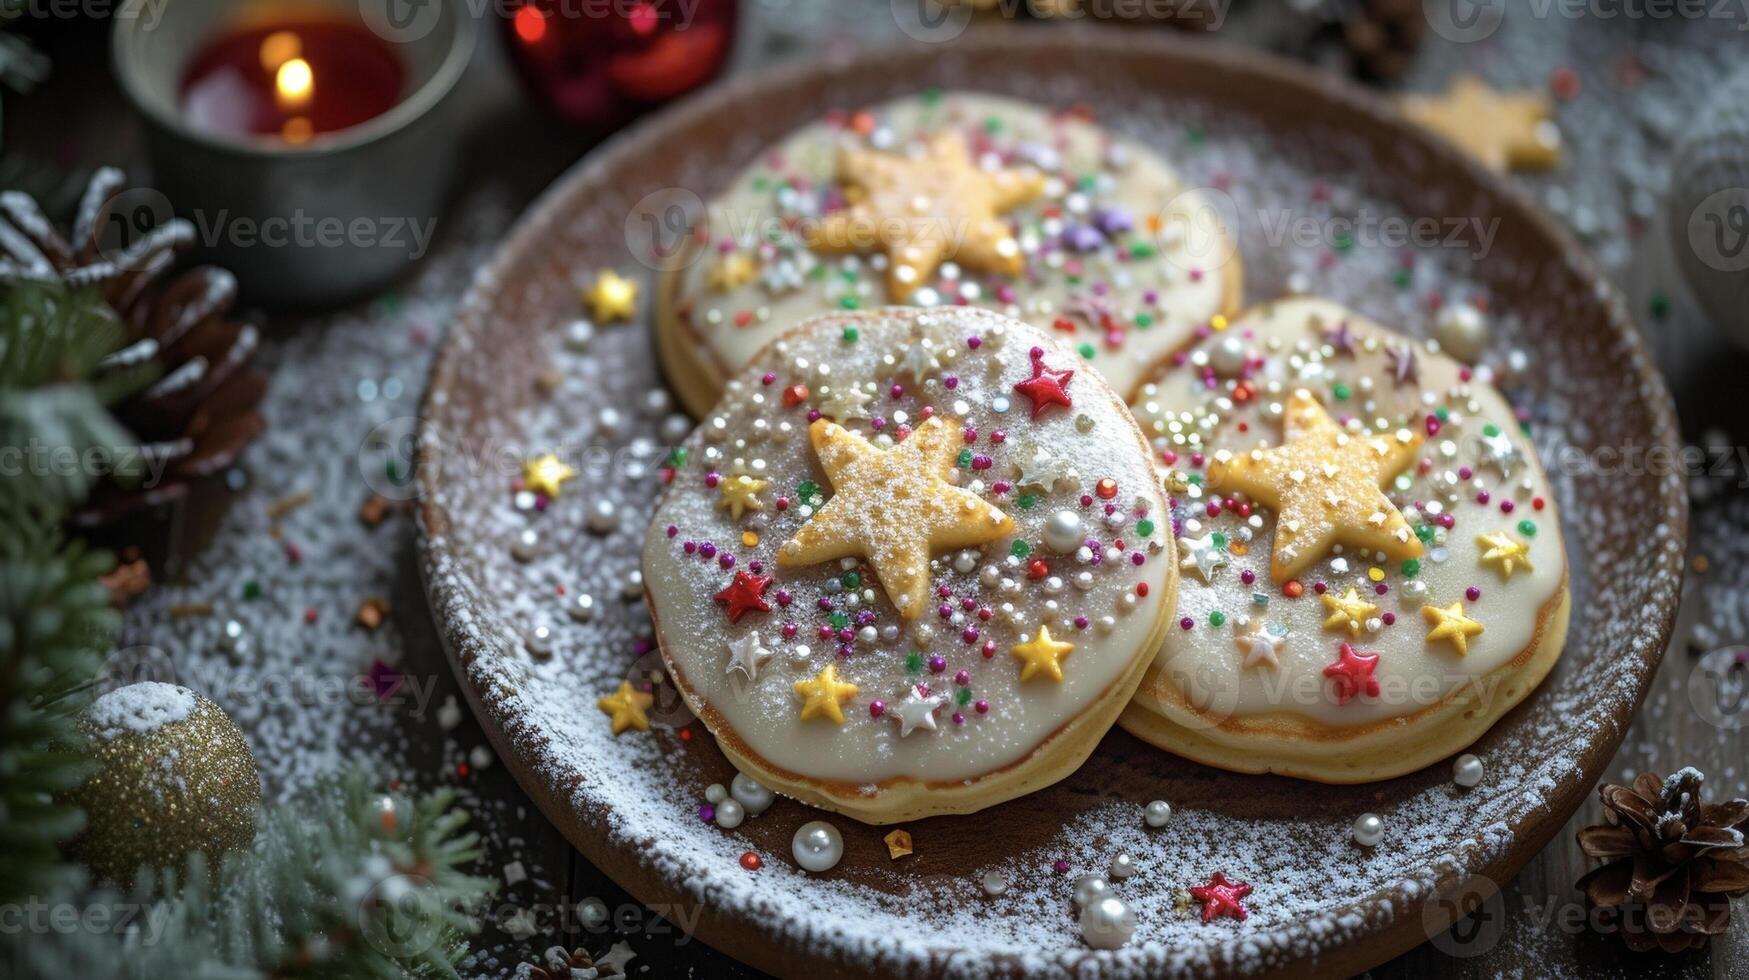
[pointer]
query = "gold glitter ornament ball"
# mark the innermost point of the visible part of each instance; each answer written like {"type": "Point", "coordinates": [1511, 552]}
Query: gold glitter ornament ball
{"type": "Point", "coordinates": [173, 775]}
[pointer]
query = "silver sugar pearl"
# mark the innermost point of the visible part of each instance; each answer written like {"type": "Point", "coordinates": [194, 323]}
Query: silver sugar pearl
{"type": "Point", "coordinates": [715, 793]}
{"type": "Point", "coordinates": [1466, 770]}
{"type": "Point", "coordinates": [1122, 866]}
{"type": "Point", "coordinates": [1369, 829]}
{"type": "Point", "coordinates": [730, 814]}
{"type": "Point", "coordinates": [1157, 813]}
{"type": "Point", "coordinates": [994, 883]}
{"type": "Point", "coordinates": [582, 608]}
{"type": "Point", "coordinates": [1062, 532]}
{"type": "Point", "coordinates": [603, 516]}
{"type": "Point", "coordinates": [817, 846]}
{"type": "Point", "coordinates": [752, 795]}
{"type": "Point", "coordinates": [526, 547]}
{"type": "Point", "coordinates": [1108, 923]}
{"type": "Point", "coordinates": [1089, 888]}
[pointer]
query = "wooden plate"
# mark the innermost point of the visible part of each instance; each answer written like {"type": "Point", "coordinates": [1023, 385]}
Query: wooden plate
{"type": "Point", "coordinates": [1283, 142]}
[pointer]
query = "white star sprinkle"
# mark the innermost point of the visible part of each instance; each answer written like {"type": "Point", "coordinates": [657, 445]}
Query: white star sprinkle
{"type": "Point", "coordinates": [846, 401]}
{"type": "Point", "coordinates": [917, 711]}
{"type": "Point", "coordinates": [1201, 556]}
{"type": "Point", "coordinates": [1044, 471]}
{"type": "Point", "coordinates": [747, 655]}
{"type": "Point", "coordinates": [1260, 646]}
{"type": "Point", "coordinates": [1500, 452]}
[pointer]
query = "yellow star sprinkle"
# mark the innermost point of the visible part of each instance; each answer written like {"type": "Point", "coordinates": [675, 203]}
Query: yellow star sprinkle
{"type": "Point", "coordinates": [733, 270]}
{"type": "Point", "coordinates": [1500, 129]}
{"type": "Point", "coordinates": [1042, 655]}
{"type": "Point", "coordinates": [545, 474]}
{"type": "Point", "coordinates": [626, 707]}
{"type": "Point", "coordinates": [1505, 551]}
{"type": "Point", "coordinates": [1451, 624]}
{"type": "Point", "coordinates": [824, 695]}
{"type": "Point", "coordinates": [895, 508]}
{"type": "Point", "coordinates": [613, 297]}
{"type": "Point", "coordinates": [1348, 612]}
{"type": "Point", "coordinates": [1324, 485]}
{"type": "Point", "coordinates": [740, 494]}
{"type": "Point", "coordinates": [922, 210]}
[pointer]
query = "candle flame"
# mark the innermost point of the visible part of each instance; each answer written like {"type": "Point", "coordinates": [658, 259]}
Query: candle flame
{"type": "Point", "coordinates": [294, 81]}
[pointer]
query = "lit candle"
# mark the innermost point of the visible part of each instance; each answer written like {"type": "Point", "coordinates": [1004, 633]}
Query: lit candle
{"type": "Point", "coordinates": [294, 81]}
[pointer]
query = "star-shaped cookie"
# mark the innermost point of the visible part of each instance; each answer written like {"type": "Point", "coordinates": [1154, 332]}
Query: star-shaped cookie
{"type": "Point", "coordinates": [922, 210]}
{"type": "Point", "coordinates": [894, 507]}
{"type": "Point", "coordinates": [1502, 130]}
{"type": "Point", "coordinates": [1324, 484]}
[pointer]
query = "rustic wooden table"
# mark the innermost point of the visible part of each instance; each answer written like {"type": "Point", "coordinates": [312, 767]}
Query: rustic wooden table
{"type": "Point", "coordinates": [1536, 926]}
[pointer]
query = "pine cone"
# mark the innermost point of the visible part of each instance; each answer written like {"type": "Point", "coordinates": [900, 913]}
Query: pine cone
{"type": "Point", "coordinates": [203, 409]}
{"type": "Point", "coordinates": [1675, 863]}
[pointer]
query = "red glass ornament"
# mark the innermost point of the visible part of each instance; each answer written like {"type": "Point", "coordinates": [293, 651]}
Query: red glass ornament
{"type": "Point", "coordinates": [292, 79]}
{"type": "Point", "coordinates": [601, 65]}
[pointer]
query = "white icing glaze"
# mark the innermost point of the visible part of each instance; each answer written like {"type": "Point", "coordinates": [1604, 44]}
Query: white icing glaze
{"type": "Point", "coordinates": [1185, 416]}
{"type": "Point", "coordinates": [1187, 277]}
{"type": "Point", "coordinates": [753, 431]}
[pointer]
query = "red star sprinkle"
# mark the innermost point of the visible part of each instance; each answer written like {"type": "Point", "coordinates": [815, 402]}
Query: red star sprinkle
{"type": "Point", "coordinates": [1222, 897]}
{"type": "Point", "coordinates": [744, 595]}
{"type": "Point", "coordinates": [1046, 387]}
{"type": "Point", "coordinates": [1352, 674]}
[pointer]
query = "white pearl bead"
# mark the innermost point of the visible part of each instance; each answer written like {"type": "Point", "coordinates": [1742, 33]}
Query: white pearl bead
{"type": "Point", "coordinates": [715, 793]}
{"type": "Point", "coordinates": [1122, 866]}
{"type": "Point", "coordinates": [994, 884]}
{"type": "Point", "coordinates": [1088, 888]}
{"type": "Point", "coordinates": [1466, 771]}
{"type": "Point", "coordinates": [1157, 813]}
{"type": "Point", "coordinates": [604, 517]}
{"type": "Point", "coordinates": [526, 546]}
{"type": "Point", "coordinates": [753, 797]}
{"type": "Point", "coordinates": [730, 814]}
{"type": "Point", "coordinates": [1062, 532]}
{"type": "Point", "coordinates": [1107, 923]}
{"type": "Point", "coordinates": [1228, 357]}
{"type": "Point", "coordinates": [1369, 829]}
{"type": "Point", "coordinates": [1462, 331]}
{"type": "Point", "coordinates": [817, 846]}
{"type": "Point", "coordinates": [582, 608]}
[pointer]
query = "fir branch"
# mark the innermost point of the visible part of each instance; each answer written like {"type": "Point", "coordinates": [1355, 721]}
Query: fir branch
{"type": "Point", "coordinates": [56, 378]}
{"type": "Point", "coordinates": [55, 621]}
{"type": "Point", "coordinates": [356, 883]}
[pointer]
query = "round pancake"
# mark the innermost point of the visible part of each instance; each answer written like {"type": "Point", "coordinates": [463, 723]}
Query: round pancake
{"type": "Point", "coordinates": [1343, 493]}
{"type": "Point", "coordinates": [1040, 215]}
{"type": "Point", "coordinates": [933, 510]}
